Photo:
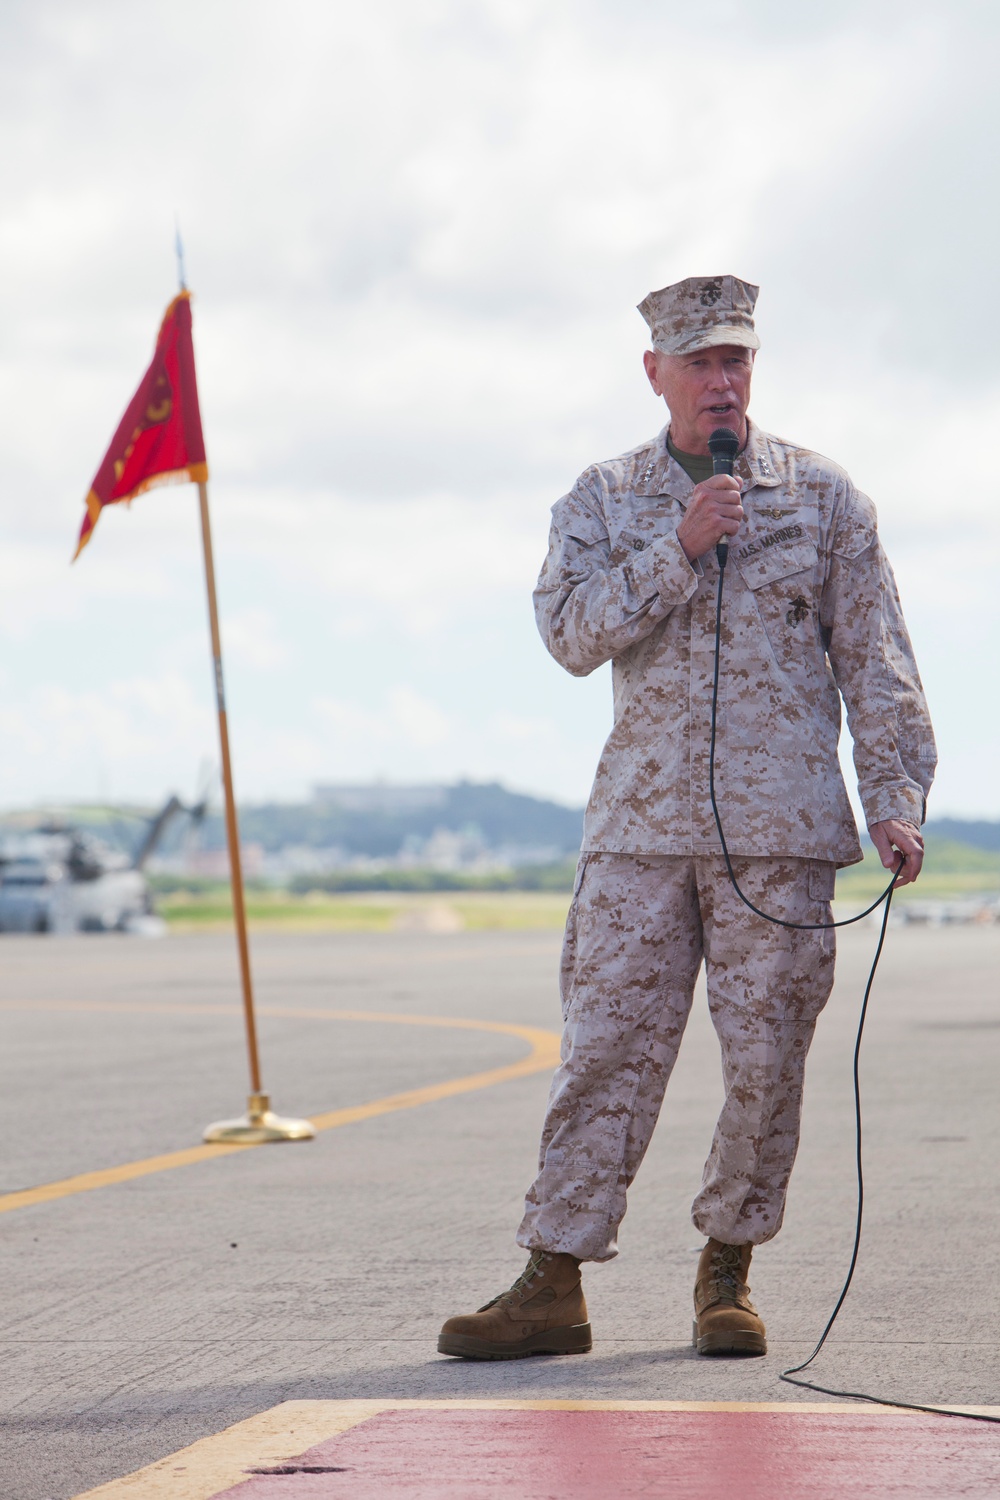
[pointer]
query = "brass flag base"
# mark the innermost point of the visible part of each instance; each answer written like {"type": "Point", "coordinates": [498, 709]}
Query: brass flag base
{"type": "Point", "coordinates": [258, 1126]}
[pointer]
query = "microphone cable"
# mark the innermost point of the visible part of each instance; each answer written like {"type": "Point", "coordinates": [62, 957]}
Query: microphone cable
{"type": "Point", "coordinates": [789, 1375]}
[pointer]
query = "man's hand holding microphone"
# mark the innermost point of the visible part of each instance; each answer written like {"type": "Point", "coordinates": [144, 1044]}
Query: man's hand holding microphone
{"type": "Point", "coordinates": [714, 512]}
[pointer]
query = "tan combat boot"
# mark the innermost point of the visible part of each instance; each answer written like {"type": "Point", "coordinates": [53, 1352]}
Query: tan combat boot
{"type": "Point", "coordinates": [726, 1321]}
{"type": "Point", "coordinates": [543, 1313]}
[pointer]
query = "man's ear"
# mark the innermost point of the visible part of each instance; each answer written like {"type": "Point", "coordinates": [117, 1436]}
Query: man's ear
{"type": "Point", "coordinates": [649, 364]}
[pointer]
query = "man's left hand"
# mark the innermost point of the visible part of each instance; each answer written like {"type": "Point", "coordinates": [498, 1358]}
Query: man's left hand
{"type": "Point", "coordinates": [894, 837]}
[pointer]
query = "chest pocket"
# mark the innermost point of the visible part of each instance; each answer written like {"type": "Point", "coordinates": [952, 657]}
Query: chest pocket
{"type": "Point", "coordinates": [784, 597]}
{"type": "Point", "coordinates": [640, 530]}
{"type": "Point", "coordinates": [769, 564]}
{"type": "Point", "coordinates": [626, 545]}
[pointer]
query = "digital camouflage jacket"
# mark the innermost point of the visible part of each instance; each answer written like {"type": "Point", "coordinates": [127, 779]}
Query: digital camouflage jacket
{"type": "Point", "coordinates": [810, 614]}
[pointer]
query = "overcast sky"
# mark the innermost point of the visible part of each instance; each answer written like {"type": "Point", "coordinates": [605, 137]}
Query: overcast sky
{"type": "Point", "coordinates": [416, 233]}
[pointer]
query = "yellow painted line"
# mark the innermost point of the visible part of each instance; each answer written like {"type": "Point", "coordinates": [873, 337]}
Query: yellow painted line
{"type": "Point", "coordinates": [89, 1182]}
{"type": "Point", "coordinates": [543, 1056]}
{"type": "Point", "coordinates": [287, 1431]}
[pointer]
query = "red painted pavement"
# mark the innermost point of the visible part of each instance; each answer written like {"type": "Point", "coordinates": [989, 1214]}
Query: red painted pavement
{"type": "Point", "coordinates": [617, 1455]}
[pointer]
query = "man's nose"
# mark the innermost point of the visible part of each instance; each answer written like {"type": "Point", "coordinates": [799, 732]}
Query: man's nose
{"type": "Point", "coordinates": [720, 379]}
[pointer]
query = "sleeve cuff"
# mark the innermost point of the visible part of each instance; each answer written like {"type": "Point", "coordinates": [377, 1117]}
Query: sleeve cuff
{"type": "Point", "coordinates": [664, 569]}
{"type": "Point", "coordinates": [906, 803]}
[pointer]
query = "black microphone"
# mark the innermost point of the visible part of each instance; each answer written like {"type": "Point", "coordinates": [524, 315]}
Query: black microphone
{"type": "Point", "coordinates": [723, 446]}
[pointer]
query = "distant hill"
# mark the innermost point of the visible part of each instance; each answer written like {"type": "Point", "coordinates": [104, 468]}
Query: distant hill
{"type": "Point", "coordinates": [980, 833]}
{"type": "Point", "coordinates": [486, 808]}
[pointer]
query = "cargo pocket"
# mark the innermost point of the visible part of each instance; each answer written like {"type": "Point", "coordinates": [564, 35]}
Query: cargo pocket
{"type": "Point", "coordinates": [567, 962]}
{"type": "Point", "coordinates": [815, 949]}
{"type": "Point", "coordinates": [822, 880]}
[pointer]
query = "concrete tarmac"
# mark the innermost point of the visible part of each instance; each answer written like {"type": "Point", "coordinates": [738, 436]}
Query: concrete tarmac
{"type": "Point", "coordinates": [142, 1316]}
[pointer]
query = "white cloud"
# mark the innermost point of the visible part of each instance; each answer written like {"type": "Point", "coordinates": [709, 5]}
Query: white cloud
{"type": "Point", "coordinates": [251, 636]}
{"type": "Point", "coordinates": [132, 736]}
{"type": "Point", "coordinates": [403, 724]}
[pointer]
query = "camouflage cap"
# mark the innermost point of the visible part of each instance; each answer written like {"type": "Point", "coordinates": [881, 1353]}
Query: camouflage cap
{"type": "Point", "coordinates": [701, 311]}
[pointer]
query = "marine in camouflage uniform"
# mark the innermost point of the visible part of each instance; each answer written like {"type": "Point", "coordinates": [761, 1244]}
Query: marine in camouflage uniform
{"type": "Point", "coordinates": [811, 616]}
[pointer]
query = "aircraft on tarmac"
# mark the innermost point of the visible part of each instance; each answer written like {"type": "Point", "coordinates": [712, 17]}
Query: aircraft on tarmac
{"type": "Point", "coordinates": [62, 878]}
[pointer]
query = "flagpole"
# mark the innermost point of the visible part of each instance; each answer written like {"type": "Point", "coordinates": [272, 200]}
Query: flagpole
{"type": "Point", "coordinates": [259, 1123]}
{"type": "Point", "coordinates": [160, 437]}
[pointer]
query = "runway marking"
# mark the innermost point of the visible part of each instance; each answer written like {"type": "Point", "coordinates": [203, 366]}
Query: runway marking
{"type": "Point", "coordinates": [543, 1056]}
{"type": "Point", "coordinates": [294, 1431]}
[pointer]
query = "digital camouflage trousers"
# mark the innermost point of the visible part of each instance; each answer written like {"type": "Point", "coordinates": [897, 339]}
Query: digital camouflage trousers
{"type": "Point", "coordinates": [638, 929]}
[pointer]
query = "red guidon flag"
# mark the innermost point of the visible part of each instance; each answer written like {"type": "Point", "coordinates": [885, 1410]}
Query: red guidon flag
{"type": "Point", "coordinates": [159, 438]}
